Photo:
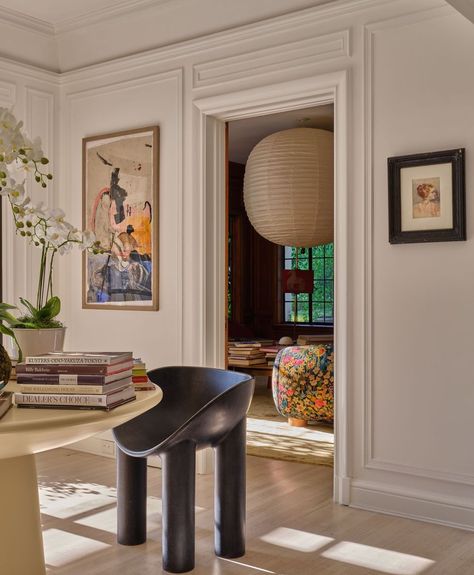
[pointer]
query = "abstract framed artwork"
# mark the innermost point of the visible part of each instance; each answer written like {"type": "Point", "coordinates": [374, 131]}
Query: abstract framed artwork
{"type": "Point", "coordinates": [120, 205]}
{"type": "Point", "coordinates": [427, 197]}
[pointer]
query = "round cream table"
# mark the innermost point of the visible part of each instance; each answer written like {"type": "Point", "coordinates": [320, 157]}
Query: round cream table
{"type": "Point", "coordinates": [24, 432]}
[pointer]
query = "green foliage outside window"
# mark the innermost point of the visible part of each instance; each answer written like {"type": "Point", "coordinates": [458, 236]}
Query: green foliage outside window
{"type": "Point", "coordinates": [317, 307]}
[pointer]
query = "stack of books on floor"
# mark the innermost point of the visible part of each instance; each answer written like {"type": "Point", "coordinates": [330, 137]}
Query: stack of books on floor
{"type": "Point", "coordinates": [271, 351]}
{"type": "Point", "coordinates": [245, 354]}
{"type": "Point", "coordinates": [75, 380]}
{"type": "Point", "coordinates": [139, 377]}
{"type": "Point", "coordinates": [6, 401]}
{"type": "Point", "coordinates": [314, 339]}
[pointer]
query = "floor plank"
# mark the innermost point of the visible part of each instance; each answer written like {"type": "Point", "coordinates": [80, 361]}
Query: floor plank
{"type": "Point", "coordinates": [293, 528]}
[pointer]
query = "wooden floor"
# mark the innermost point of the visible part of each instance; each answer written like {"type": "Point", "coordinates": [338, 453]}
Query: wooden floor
{"type": "Point", "coordinates": [293, 528]}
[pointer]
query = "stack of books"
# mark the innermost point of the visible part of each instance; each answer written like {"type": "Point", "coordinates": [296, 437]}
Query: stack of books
{"type": "Point", "coordinates": [245, 354]}
{"type": "Point", "coordinates": [139, 377]}
{"type": "Point", "coordinates": [314, 339]}
{"type": "Point", "coordinates": [271, 351]}
{"type": "Point", "coordinates": [75, 380]}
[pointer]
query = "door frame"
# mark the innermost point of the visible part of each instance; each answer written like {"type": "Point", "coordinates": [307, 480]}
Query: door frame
{"type": "Point", "coordinates": [210, 115]}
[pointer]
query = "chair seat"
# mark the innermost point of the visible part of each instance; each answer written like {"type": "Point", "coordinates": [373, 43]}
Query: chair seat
{"type": "Point", "coordinates": [201, 407]}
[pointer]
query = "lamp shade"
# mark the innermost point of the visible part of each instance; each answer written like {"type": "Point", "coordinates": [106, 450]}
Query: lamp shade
{"type": "Point", "coordinates": [289, 187]}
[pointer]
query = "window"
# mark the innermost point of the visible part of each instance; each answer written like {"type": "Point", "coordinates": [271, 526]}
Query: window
{"type": "Point", "coordinates": [316, 307]}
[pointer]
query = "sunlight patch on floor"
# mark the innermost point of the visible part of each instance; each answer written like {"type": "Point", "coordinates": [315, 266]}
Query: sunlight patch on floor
{"type": "Point", "coordinates": [63, 500]}
{"type": "Point", "coordinates": [309, 433]}
{"type": "Point", "coordinates": [382, 560]}
{"type": "Point", "coordinates": [296, 539]}
{"type": "Point", "coordinates": [62, 548]}
{"type": "Point", "coordinates": [107, 520]}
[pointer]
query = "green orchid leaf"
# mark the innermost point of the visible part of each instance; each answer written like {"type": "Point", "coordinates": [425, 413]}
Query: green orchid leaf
{"type": "Point", "coordinates": [6, 330]}
{"type": "Point", "coordinates": [7, 317]}
{"type": "Point", "coordinates": [33, 311]}
{"type": "Point", "coordinates": [52, 307]}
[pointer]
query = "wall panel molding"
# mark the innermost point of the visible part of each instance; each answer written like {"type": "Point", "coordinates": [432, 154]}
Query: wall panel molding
{"type": "Point", "coordinates": [39, 122]}
{"type": "Point", "coordinates": [81, 93]}
{"type": "Point", "coordinates": [248, 64]}
{"type": "Point", "coordinates": [7, 94]}
{"type": "Point", "coordinates": [369, 460]}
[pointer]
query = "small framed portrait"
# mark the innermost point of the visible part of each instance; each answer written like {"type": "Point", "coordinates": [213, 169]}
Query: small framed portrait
{"type": "Point", "coordinates": [120, 205]}
{"type": "Point", "coordinates": [427, 197]}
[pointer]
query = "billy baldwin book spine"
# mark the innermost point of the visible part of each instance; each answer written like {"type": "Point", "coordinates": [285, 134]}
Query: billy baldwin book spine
{"type": "Point", "coordinates": [77, 369]}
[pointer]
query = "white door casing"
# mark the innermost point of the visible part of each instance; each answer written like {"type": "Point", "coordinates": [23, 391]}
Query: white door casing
{"type": "Point", "coordinates": [210, 116]}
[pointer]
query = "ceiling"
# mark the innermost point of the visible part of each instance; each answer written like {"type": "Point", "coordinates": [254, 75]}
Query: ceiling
{"type": "Point", "coordinates": [245, 134]}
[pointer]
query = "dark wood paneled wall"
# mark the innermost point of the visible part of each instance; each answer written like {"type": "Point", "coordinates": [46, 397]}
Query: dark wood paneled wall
{"type": "Point", "coordinates": [255, 273]}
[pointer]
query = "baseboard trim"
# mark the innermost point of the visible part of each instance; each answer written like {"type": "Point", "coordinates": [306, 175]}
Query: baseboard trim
{"type": "Point", "coordinates": [413, 504]}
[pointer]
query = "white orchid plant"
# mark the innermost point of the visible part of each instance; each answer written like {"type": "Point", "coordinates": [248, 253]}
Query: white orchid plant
{"type": "Point", "coordinates": [44, 228]}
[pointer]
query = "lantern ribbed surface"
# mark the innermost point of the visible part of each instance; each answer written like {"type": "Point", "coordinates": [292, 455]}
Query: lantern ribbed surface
{"type": "Point", "coordinates": [289, 187]}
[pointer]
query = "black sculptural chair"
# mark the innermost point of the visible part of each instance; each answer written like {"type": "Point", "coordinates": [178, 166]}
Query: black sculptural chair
{"type": "Point", "coordinates": [201, 407]}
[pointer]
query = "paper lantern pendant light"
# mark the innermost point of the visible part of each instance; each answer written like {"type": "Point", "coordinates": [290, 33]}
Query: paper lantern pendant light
{"type": "Point", "coordinates": [289, 187]}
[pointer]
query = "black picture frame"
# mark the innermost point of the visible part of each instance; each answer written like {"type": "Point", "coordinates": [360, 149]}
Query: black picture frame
{"type": "Point", "coordinates": [426, 194]}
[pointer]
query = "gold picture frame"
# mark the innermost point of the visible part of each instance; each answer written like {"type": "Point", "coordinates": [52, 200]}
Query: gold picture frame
{"type": "Point", "coordinates": [120, 194]}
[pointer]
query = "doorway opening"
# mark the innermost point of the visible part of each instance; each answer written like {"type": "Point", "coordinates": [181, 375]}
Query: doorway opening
{"type": "Point", "coordinates": [210, 116]}
{"type": "Point", "coordinates": [259, 310]}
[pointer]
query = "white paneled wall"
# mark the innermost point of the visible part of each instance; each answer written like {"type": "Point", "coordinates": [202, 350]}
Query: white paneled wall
{"type": "Point", "coordinates": [401, 76]}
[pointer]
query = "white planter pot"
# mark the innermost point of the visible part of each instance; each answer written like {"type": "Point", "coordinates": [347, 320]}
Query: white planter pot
{"type": "Point", "coordinates": [39, 341]}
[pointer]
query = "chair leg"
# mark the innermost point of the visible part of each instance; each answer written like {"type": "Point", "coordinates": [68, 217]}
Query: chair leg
{"type": "Point", "coordinates": [229, 504]}
{"type": "Point", "coordinates": [131, 499]}
{"type": "Point", "coordinates": [178, 496]}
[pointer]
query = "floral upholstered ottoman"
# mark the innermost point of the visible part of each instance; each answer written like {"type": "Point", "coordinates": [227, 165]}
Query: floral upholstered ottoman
{"type": "Point", "coordinates": [303, 383]}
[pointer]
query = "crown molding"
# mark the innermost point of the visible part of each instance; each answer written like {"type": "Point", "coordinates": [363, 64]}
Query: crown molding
{"type": "Point", "coordinates": [100, 14]}
{"type": "Point", "coordinates": [22, 21]}
{"type": "Point", "coordinates": [30, 71]}
{"type": "Point", "coordinates": [272, 25]}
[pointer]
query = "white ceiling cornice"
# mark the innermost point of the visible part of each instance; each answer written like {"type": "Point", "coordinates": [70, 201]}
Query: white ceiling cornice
{"type": "Point", "coordinates": [120, 8]}
{"type": "Point", "coordinates": [25, 22]}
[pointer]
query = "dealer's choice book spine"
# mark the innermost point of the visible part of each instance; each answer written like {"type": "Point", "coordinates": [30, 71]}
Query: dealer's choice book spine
{"type": "Point", "coordinates": [80, 401]}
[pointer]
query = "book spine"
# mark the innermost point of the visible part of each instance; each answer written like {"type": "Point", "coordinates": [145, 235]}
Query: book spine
{"type": "Point", "coordinates": [51, 406]}
{"type": "Point", "coordinates": [70, 378]}
{"type": "Point", "coordinates": [64, 359]}
{"type": "Point", "coordinates": [23, 368]}
{"type": "Point", "coordinates": [59, 399]}
{"type": "Point", "coordinates": [29, 388]}
{"type": "Point", "coordinates": [64, 379]}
